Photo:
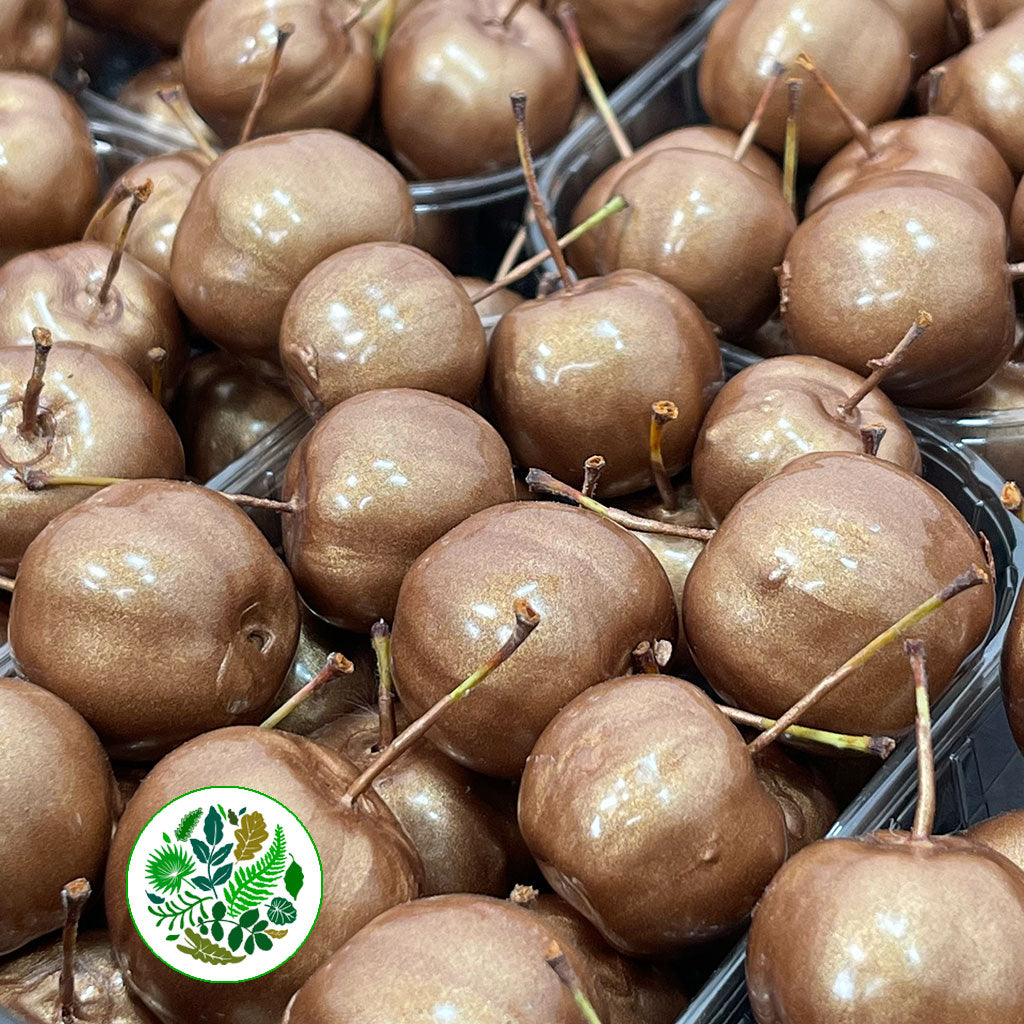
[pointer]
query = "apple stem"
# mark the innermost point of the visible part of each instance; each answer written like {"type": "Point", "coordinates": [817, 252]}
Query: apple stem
{"type": "Point", "coordinates": [174, 97]}
{"type": "Point", "coordinates": [644, 662]}
{"type": "Point", "coordinates": [337, 665]}
{"type": "Point", "coordinates": [558, 962]}
{"type": "Point", "coordinates": [881, 368]}
{"type": "Point", "coordinates": [157, 357]}
{"type": "Point", "coordinates": [517, 273]}
{"type": "Point", "coordinates": [361, 11]}
{"type": "Point", "coordinates": [857, 127]}
{"type": "Point", "coordinates": [924, 816]}
{"type": "Point", "coordinates": [592, 470]}
{"type": "Point", "coordinates": [43, 341]}
{"type": "Point", "coordinates": [967, 12]}
{"type": "Point", "coordinates": [972, 577]}
{"type": "Point", "coordinates": [139, 195]}
{"type": "Point", "coordinates": [792, 145]}
{"type": "Point", "coordinates": [880, 746]}
{"type": "Point", "coordinates": [73, 898]}
{"type": "Point", "coordinates": [762, 105]}
{"type": "Point", "coordinates": [543, 220]}
{"type": "Point", "coordinates": [117, 194]}
{"type": "Point", "coordinates": [380, 635]}
{"type": "Point", "coordinates": [515, 247]}
{"type": "Point", "coordinates": [871, 438]}
{"type": "Point", "coordinates": [512, 12]}
{"type": "Point", "coordinates": [387, 23]}
{"type": "Point", "coordinates": [935, 77]}
{"type": "Point", "coordinates": [567, 16]}
{"type": "Point", "coordinates": [251, 501]}
{"type": "Point", "coordinates": [1015, 270]}
{"type": "Point", "coordinates": [523, 896]}
{"type": "Point", "coordinates": [544, 483]}
{"type": "Point", "coordinates": [284, 33]}
{"type": "Point", "coordinates": [662, 413]}
{"type": "Point", "coordinates": [526, 621]}
{"type": "Point", "coordinates": [6, 583]}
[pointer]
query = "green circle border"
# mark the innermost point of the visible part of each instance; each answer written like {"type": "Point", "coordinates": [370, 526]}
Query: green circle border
{"type": "Point", "coordinates": [226, 981]}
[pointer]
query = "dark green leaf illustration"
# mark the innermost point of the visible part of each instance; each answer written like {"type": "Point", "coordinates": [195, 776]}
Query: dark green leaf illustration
{"type": "Point", "coordinates": [253, 883]}
{"type": "Point", "coordinates": [201, 883]}
{"type": "Point", "coordinates": [251, 836]}
{"type": "Point", "coordinates": [232, 817]}
{"type": "Point", "coordinates": [263, 941]}
{"type": "Point", "coordinates": [293, 879]}
{"type": "Point", "coordinates": [171, 938]}
{"type": "Point", "coordinates": [281, 911]}
{"type": "Point", "coordinates": [187, 825]}
{"type": "Point", "coordinates": [208, 951]}
{"type": "Point", "coordinates": [217, 931]}
{"type": "Point", "coordinates": [221, 875]}
{"type": "Point", "coordinates": [248, 919]}
{"type": "Point", "coordinates": [168, 867]}
{"type": "Point", "coordinates": [203, 930]}
{"type": "Point", "coordinates": [153, 898]}
{"type": "Point", "coordinates": [223, 813]}
{"type": "Point", "coordinates": [201, 850]}
{"type": "Point", "coordinates": [218, 910]}
{"type": "Point", "coordinates": [213, 827]}
{"type": "Point", "coordinates": [235, 937]}
{"type": "Point", "coordinates": [277, 933]}
{"type": "Point", "coordinates": [221, 855]}
{"type": "Point", "coordinates": [250, 945]}
{"type": "Point", "coordinates": [185, 906]}
{"type": "Point", "coordinates": [259, 926]}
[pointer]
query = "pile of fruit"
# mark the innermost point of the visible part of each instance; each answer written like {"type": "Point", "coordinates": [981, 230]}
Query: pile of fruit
{"type": "Point", "coordinates": [572, 650]}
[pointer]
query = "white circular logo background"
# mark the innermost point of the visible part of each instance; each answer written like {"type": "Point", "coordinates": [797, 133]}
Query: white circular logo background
{"type": "Point", "coordinates": [224, 884]}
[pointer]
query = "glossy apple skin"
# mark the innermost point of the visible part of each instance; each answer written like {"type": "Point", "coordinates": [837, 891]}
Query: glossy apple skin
{"type": "Point", "coordinates": [49, 179]}
{"type": "Point", "coordinates": [599, 592]}
{"type": "Point", "coordinates": [850, 928]}
{"type": "Point", "coordinates": [225, 406]}
{"type": "Point", "coordinates": [380, 315]}
{"type": "Point", "coordinates": [482, 957]}
{"type": "Point", "coordinates": [32, 35]}
{"type": "Point", "coordinates": [161, 22]}
{"type": "Point", "coordinates": [983, 86]}
{"type": "Point", "coordinates": [378, 480]}
{"type": "Point", "coordinates": [858, 271]}
{"type": "Point", "coordinates": [99, 421]}
{"type": "Point", "coordinates": [163, 574]}
{"type": "Point", "coordinates": [584, 253]}
{"type": "Point", "coordinates": [994, 11]}
{"type": "Point", "coordinates": [929, 29]}
{"type": "Point", "coordinates": [325, 80]}
{"type": "Point", "coordinates": [140, 93]}
{"type": "Point", "coordinates": [368, 866]}
{"type": "Point", "coordinates": [30, 983]}
{"type": "Point", "coordinates": [934, 144]}
{"type": "Point", "coordinates": [1013, 672]}
{"type": "Point", "coordinates": [642, 807]}
{"type": "Point", "coordinates": [446, 78]}
{"type": "Point", "coordinates": [59, 289]}
{"type": "Point", "coordinates": [779, 409]}
{"type": "Point", "coordinates": [554, 361]}
{"type": "Point", "coordinates": [807, 801]}
{"type": "Point", "coordinates": [707, 225]}
{"type": "Point", "coordinates": [812, 564]}
{"type": "Point", "coordinates": [1004, 834]}
{"type": "Point", "coordinates": [57, 786]}
{"type": "Point", "coordinates": [843, 37]}
{"type": "Point", "coordinates": [151, 239]}
{"type": "Point", "coordinates": [264, 215]}
{"type": "Point", "coordinates": [460, 838]}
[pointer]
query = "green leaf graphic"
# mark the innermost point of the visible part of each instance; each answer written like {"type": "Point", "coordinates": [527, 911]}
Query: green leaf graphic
{"type": "Point", "coordinates": [218, 910]}
{"type": "Point", "coordinates": [222, 874]}
{"type": "Point", "coordinates": [253, 884]}
{"type": "Point", "coordinates": [251, 836]}
{"type": "Point", "coordinates": [281, 911]}
{"type": "Point", "coordinates": [277, 933]}
{"type": "Point", "coordinates": [248, 919]}
{"type": "Point", "coordinates": [235, 938]}
{"type": "Point", "coordinates": [217, 931]}
{"type": "Point", "coordinates": [250, 945]}
{"type": "Point", "coordinates": [232, 817]}
{"type": "Point", "coordinates": [188, 824]}
{"type": "Point", "coordinates": [293, 879]}
{"type": "Point", "coordinates": [263, 941]}
{"type": "Point", "coordinates": [221, 855]}
{"type": "Point", "coordinates": [177, 911]}
{"type": "Point", "coordinates": [168, 867]}
{"type": "Point", "coordinates": [213, 827]}
{"type": "Point", "coordinates": [201, 850]}
{"type": "Point", "coordinates": [208, 951]}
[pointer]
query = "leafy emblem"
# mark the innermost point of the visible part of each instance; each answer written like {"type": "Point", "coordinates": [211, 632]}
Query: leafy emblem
{"type": "Point", "coordinates": [251, 835]}
{"type": "Point", "coordinates": [168, 867]}
{"type": "Point", "coordinates": [208, 951]}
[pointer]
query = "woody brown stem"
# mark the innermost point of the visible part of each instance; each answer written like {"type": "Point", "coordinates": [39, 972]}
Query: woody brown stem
{"type": "Point", "coordinates": [750, 131]}
{"type": "Point", "coordinates": [526, 621]}
{"type": "Point", "coordinates": [512, 12]}
{"type": "Point", "coordinates": [174, 98]}
{"type": "Point", "coordinates": [73, 898]}
{"type": "Point", "coordinates": [924, 816]}
{"type": "Point", "coordinates": [662, 413]}
{"type": "Point", "coordinates": [139, 196]}
{"type": "Point", "coordinates": [644, 661]}
{"type": "Point", "coordinates": [380, 635]}
{"type": "Point", "coordinates": [337, 665]}
{"type": "Point", "coordinates": [857, 127]}
{"type": "Point", "coordinates": [592, 470]}
{"type": "Point", "coordinates": [871, 438]}
{"type": "Point", "coordinates": [157, 357]}
{"type": "Point", "coordinates": [284, 33]}
{"type": "Point", "coordinates": [43, 341]}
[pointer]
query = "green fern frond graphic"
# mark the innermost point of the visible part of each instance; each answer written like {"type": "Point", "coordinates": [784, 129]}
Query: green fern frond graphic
{"type": "Point", "coordinates": [167, 868]}
{"type": "Point", "coordinates": [253, 884]}
{"type": "Point", "coordinates": [188, 824]}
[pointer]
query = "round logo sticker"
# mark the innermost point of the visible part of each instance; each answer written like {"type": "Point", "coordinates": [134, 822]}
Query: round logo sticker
{"type": "Point", "coordinates": [224, 884]}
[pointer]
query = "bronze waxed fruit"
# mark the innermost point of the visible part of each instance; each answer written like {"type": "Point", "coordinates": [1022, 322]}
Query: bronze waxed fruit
{"type": "Point", "coordinates": [377, 481]}
{"type": "Point", "coordinates": [161, 22]}
{"type": "Point", "coordinates": [599, 589]}
{"type": "Point", "coordinates": [380, 315]}
{"type": "Point", "coordinates": [264, 215]}
{"type": "Point", "coordinates": [1004, 834]}
{"type": "Point", "coordinates": [806, 799]}
{"type": "Point", "coordinates": [845, 38]}
{"type": "Point", "coordinates": [60, 803]}
{"type": "Point", "coordinates": [484, 958]}
{"type": "Point", "coordinates": [368, 866]}
{"type": "Point", "coordinates": [159, 611]}
{"type": "Point", "coordinates": [641, 804]}
{"type": "Point", "coordinates": [141, 93]}
{"type": "Point", "coordinates": [1013, 672]}
{"type": "Point", "coordinates": [49, 178]}
{"type": "Point", "coordinates": [810, 565]}
{"type": "Point", "coordinates": [32, 35]}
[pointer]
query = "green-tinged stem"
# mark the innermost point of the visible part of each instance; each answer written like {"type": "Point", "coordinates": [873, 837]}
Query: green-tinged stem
{"type": "Point", "coordinates": [387, 23]}
{"type": "Point", "coordinates": [747, 138]}
{"type": "Point", "coordinates": [380, 635]}
{"type": "Point", "coordinates": [174, 97]}
{"type": "Point", "coordinates": [73, 898]}
{"type": "Point", "coordinates": [662, 413]}
{"type": "Point", "coordinates": [544, 483]}
{"type": "Point", "coordinates": [559, 963]}
{"type": "Point", "coordinates": [337, 665]}
{"type": "Point", "coordinates": [526, 621]}
{"type": "Point", "coordinates": [791, 151]}
{"type": "Point", "coordinates": [157, 357]}
{"type": "Point", "coordinates": [517, 273]}
{"type": "Point", "coordinates": [973, 577]}
{"type": "Point", "coordinates": [924, 816]}
{"type": "Point", "coordinates": [880, 746]}
{"type": "Point", "coordinates": [284, 33]}
{"type": "Point", "coordinates": [43, 341]}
